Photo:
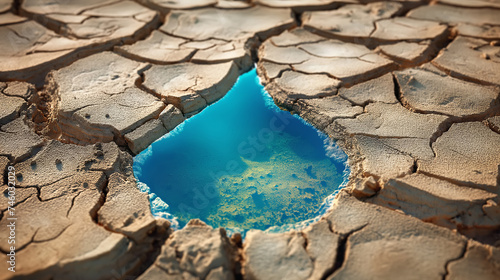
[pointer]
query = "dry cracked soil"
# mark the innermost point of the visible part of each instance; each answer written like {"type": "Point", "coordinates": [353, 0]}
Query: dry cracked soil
{"type": "Point", "coordinates": [408, 88]}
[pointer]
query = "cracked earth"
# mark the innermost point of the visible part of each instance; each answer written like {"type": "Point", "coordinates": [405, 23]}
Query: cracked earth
{"type": "Point", "coordinates": [408, 88]}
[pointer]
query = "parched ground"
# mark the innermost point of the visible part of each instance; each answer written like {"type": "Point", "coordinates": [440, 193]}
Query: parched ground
{"type": "Point", "coordinates": [409, 89]}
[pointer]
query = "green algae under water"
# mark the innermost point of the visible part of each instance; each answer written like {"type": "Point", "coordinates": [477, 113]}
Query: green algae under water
{"type": "Point", "coordinates": [242, 163]}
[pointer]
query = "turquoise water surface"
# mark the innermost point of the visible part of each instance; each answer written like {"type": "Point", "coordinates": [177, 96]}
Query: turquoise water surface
{"type": "Point", "coordinates": [242, 163]}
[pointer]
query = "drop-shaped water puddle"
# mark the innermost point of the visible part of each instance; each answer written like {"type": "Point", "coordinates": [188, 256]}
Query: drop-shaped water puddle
{"type": "Point", "coordinates": [242, 163]}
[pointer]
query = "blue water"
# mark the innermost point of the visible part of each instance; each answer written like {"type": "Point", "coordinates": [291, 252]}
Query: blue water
{"type": "Point", "coordinates": [242, 163]}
